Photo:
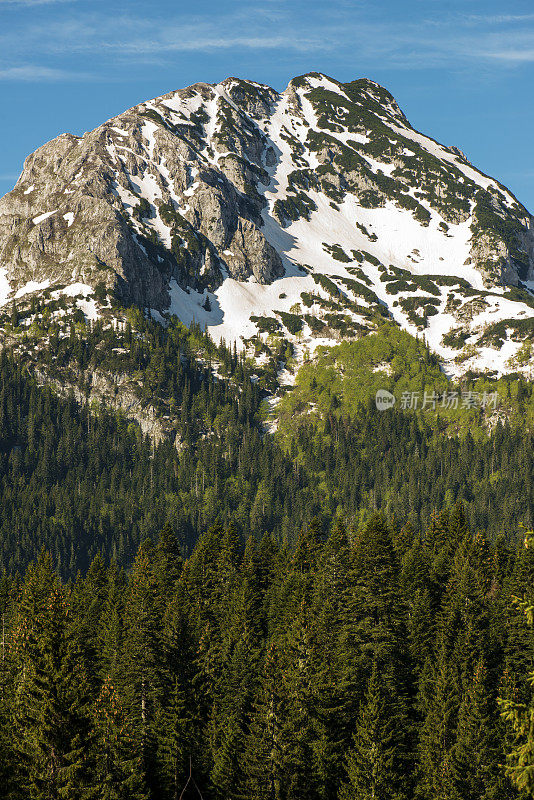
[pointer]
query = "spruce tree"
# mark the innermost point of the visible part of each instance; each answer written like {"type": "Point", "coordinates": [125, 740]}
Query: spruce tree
{"type": "Point", "coordinates": [376, 765]}
{"type": "Point", "coordinates": [139, 677]}
{"type": "Point", "coordinates": [52, 729]}
{"type": "Point", "coordinates": [476, 750]}
{"type": "Point", "coordinates": [520, 718]}
{"type": "Point", "coordinates": [118, 769]}
{"type": "Point", "coordinates": [439, 701]}
{"type": "Point", "coordinates": [263, 761]}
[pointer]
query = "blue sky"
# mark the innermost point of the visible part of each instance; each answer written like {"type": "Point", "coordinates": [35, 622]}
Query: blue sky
{"type": "Point", "coordinates": [462, 70]}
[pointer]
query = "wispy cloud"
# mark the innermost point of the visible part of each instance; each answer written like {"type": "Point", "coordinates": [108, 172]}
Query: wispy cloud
{"type": "Point", "coordinates": [513, 56]}
{"type": "Point", "coordinates": [498, 19]}
{"type": "Point", "coordinates": [120, 39]}
{"type": "Point", "coordinates": [22, 3]}
{"type": "Point", "coordinates": [344, 32]}
{"type": "Point", "coordinates": [512, 47]}
{"type": "Point", "coordinates": [34, 72]}
{"type": "Point", "coordinates": [188, 34]}
{"type": "Point", "coordinates": [200, 44]}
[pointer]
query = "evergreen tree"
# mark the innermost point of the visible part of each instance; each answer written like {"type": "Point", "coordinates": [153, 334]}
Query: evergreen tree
{"type": "Point", "coordinates": [52, 730]}
{"type": "Point", "coordinates": [520, 717]}
{"type": "Point", "coordinates": [264, 746]}
{"type": "Point", "coordinates": [140, 667]}
{"type": "Point", "coordinates": [439, 702]}
{"type": "Point", "coordinates": [376, 765]}
{"type": "Point", "coordinates": [118, 771]}
{"type": "Point", "coordinates": [476, 751]}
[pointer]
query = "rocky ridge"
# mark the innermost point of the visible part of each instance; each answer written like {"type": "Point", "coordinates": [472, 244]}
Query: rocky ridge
{"type": "Point", "coordinates": [306, 216]}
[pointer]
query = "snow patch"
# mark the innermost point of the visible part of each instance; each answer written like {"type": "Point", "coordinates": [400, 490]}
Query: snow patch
{"type": "Point", "coordinates": [5, 288]}
{"type": "Point", "coordinates": [32, 286]}
{"type": "Point", "coordinates": [325, 83]}
{"type": "Point", "coordinates": [148, 131]}
{"type": "Point", "coordinates": [74, 290]}
{"type": "Point", "coordinates": [89, 308]}
{"type": "Point", "coordinates": [378, 166]}
{"type": "Point", "coordinates": [189, 306]}
{"type": "Point", "coordinates": [41, 217]}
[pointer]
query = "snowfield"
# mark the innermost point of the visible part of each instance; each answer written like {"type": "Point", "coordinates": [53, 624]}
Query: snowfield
{"type": "Point", "coordinates": [395, 238]}
{"type": "Point", "coordinates": [353, 261]}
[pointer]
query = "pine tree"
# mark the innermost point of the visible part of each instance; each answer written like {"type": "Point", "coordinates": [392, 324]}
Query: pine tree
{"type": "Point", "coordinates": [263, 761]}
{"type": "Point", "coordinates": [439, 703]}
{"type": "Point", "coordinates": [520, 718]}
{"type": "Point", "coordinates": [375, 622]}
{"type": "Point", "coordinates": [118, 770]}
{"type": "Point", "coordinates": [476, 750]}
{"type": "Point", "coordinates": [376, 769]}
{"type": "Point", "coordinates": [139, 677]}
{"type": "Point", "coordinates": [419, 597]}
{"type": "Point", "coordinates": [181, 746]}
{"type": "Point", "coordinates": [299, 731]}
{"type": "Point", "coordinates": [52, 729]}
{"type": "Point", "coordinates": [7, 678]}
{"type": "Point", "coordinates": [176, 739]}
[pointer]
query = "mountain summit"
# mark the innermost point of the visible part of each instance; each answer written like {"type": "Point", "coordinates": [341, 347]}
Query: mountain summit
{"type": "Point", "coordinates": [311, 215]}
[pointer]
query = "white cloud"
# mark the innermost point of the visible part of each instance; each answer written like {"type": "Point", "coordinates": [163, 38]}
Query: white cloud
{"type": "Point", "coordinates": [34, 72]}
{"type": "Point", "coordinates": [20, 3]}
{"type": "Point", "coordinates": [512, 56]}
{"type": "Point", "coordinates": [498, 19]}
{"type": "Point", "coordinates": [347, 32]}
{"type": "Point", "coordinates": [201, 44]}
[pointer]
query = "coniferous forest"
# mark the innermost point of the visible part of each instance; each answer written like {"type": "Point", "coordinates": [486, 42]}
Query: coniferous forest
{"type": "Point", "coordinates": [339, 614]}
{"type": "Point", "coordinates": [366, 664]}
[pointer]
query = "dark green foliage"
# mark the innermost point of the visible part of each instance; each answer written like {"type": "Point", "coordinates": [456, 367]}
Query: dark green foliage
{"type": "Point", "coordinates": [456, 338]}
{"type": "Point", "coordinates": [264, 671]}
{"type": "Point", "coordinates": [266, 324]}
{"type": "Point", "coordinates": [327, 284]}
{"type": "Point", "coordinates": [50, 716]}
{"type": "Point", "coordinates": [519, 295]}
{"type": "Point", "coordinates": [376, 764]}
{"type": "Point", "coordinates": [419, 308]}
{"type": "Point", "coordinates": [294, 207]}
{"type": "Point", "coordinates": [337, 252]}
{"type": "Point", "coordinates": [143, 209]}
{"type": "Point", "coordinates": [82, 481]}
{"type": "Point", "coordinates": [497, 333]}
{"type": "Point", "coordinates": [152, 114]}
{"type": "Point", "coordinates": [291, 321]}
{"type": "Point", "coordinates": [316, 325]}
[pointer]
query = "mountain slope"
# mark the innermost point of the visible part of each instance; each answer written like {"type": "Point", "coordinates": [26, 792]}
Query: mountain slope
{"type": "Point", "coordinates": [303, 217]}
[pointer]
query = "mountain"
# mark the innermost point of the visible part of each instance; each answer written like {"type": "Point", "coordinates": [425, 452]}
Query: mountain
{"type": "Point", "coordinates": [276, 220]}
{"type": "Point", "coordinates": [191, 607]}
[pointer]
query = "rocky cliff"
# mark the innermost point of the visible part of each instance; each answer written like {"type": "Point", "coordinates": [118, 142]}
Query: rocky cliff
{"type": "Point", "coordinates": [244, 208]}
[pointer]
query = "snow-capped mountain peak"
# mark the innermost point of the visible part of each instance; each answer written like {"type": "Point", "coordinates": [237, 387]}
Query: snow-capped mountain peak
{"type": "Point", "coordinates": [307, 216]}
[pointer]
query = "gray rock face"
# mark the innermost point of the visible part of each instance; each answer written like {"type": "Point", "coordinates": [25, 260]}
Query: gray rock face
{"type": "Point", "coordinates": [181, 188]}
{"type": "Point", "coordinates": [133, 204]}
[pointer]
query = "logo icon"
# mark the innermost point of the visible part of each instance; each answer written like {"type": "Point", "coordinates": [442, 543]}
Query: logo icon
{"type": "Point", "coordinates": [384, 400]}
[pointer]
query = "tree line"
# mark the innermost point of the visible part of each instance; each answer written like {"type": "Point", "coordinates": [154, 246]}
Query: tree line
{"type": "Point", "coordinates": [80, 480]}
